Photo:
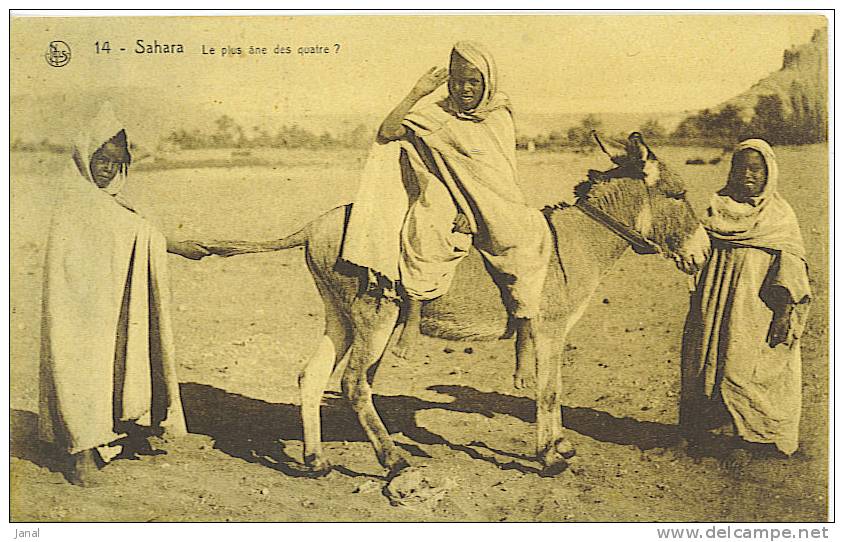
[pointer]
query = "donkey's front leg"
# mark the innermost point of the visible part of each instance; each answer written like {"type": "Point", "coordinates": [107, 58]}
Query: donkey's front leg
{"type": "Point", "coordinates": [552, 448]}
{"type": "Point", "coordinates": [525, 375]}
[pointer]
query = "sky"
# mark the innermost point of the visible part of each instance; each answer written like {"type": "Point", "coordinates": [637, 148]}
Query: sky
{"type": "Point", "coordinates": [547, 63]}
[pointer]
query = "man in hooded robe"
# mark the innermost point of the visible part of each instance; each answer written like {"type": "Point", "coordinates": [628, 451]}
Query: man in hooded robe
{"type": "Point", "coordinates": [107, 359]}
{"type": "Point", "coordinates": [741, 366]}
{"type": "Point", "coordinates": [457, 161]}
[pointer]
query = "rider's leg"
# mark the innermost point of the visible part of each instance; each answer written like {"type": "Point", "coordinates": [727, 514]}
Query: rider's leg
{"type": "Point", "coordinates": [410, 332]}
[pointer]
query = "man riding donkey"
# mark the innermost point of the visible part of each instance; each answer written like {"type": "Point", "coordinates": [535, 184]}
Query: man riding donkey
{"type": "Point", "coordinates": [443, 179]}
{"type": "Point", "coordinates": [456, 159]}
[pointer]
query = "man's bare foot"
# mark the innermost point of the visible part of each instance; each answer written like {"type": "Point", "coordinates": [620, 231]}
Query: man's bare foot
{"type": "Point", "coordinates": [683, 444]}
{"type": "Point", "coordinates": [737, 460]}
{"type": "Point", "coordinates": [410, 332]}
{"type": "Point", "coordinates": [84, 469]}
{"type": "Point", "coordinates": [402, 347]}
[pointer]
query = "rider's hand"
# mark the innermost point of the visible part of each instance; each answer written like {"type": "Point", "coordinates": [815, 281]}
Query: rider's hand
{"type": "Point", "coordinates": [430, 81]}
{"type": "Point", "coordinates": [461, 224]}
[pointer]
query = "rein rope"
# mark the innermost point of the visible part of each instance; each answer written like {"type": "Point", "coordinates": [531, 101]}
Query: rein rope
{"type": "Point", "coordinates": [637, 241]}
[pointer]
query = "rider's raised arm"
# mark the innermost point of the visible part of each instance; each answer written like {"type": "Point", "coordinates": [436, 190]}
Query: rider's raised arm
{"type": "Point", "coordinates": [392, 128]}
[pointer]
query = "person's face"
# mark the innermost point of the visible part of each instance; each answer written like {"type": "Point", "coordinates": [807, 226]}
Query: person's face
{"type": "Point", "coordinates": [465, 83]}
{"type": "Point", "coordinates": [104, 167]}
{"type": "Point", "coordinates": [749, 174]}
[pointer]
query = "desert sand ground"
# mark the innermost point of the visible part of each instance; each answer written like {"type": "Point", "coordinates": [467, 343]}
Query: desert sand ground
{"type": "Point", "coordinates": [243, 325]}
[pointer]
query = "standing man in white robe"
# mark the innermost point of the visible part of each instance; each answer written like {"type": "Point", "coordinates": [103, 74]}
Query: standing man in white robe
{"type": "Point", "coordinates": [741, 367]}
{"type": "Point", "coordinates": [108, 367]}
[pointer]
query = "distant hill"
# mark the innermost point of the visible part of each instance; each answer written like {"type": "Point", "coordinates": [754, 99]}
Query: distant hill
{"type": "Point", "coordinates": [802, 78]}
{"type": "Point", "coordinates": [789, 106]}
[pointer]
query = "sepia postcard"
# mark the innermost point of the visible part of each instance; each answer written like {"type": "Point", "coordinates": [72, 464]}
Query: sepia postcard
{"type": "Point", "coordinates": [419, 267]}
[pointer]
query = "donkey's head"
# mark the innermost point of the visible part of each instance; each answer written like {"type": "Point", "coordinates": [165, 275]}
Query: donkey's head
{"type": "Point", "coordinates": [643, 197]}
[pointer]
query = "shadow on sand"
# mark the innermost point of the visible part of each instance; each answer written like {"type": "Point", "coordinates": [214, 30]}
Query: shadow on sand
{"type": "Point", "coordinates": [589, 422]}
{"type": "Point", "coordinates": [251, 429]}
{"type": "Point", "coordinates": [25, 444]}
{"type": "Point", "coordinates": [254, 430]}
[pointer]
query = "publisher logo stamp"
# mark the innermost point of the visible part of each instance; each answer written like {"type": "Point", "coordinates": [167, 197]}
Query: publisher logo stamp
{"type": "Point", "coordinates": [58, 54]}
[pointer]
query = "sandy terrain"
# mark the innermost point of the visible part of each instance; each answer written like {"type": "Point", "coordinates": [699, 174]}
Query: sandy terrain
{"type": "Point", "coordinates": [244, 325]}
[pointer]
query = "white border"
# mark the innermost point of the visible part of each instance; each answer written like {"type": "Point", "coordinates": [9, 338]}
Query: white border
{"type": "Point", "coordinates": [262, 531]}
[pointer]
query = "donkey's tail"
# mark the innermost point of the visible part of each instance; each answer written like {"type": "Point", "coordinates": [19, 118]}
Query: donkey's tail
{"type": "Point", "coordinates": [298, 239]}
{"type": "Point", "coordinates": [234, 248]}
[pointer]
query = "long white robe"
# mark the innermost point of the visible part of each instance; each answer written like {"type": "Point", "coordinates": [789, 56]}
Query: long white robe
{"type": "Point", "coordinates": [731, 375]}
{"type": "Point", "coordinates": [730, 372]}
{"type": "Point", "coordinates": [107, 353]}
{"type": "Point", "coordinates": [402, 222]}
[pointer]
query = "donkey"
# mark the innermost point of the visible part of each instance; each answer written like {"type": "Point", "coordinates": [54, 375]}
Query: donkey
{"type": "Point", "coordinates": [640, 203]}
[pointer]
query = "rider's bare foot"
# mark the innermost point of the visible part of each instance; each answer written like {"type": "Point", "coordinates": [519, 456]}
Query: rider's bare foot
{"type": "Point", "coordinates": [84, 469]}
{"type": "Point", "coordinates": [402, 347]}
{"type": "Point", "coordinates": [410, 332]}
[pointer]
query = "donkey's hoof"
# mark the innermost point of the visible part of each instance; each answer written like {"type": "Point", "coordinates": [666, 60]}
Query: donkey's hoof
{"type": "Point", "coordinates": [523, 380]}
{"type": "Point", "coordinates": [553, 464]}
{"type": "Point", "coordinates": [397, 466]}
{"type": "Point", "coordinates": [565, 448]}
{"type": "Point", "coordinates": [84, 471]}
{"type": "Point", "coordinates": [554, 469]}
{"type": "Point", "coordinates": [557, 457]}
{"type": "Point", "coordinates": [313, 467]}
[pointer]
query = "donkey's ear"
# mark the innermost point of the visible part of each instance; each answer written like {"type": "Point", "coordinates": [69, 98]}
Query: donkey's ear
{"type": "Point", "coordinates": [618, 155]}
{"type": "Point", "coordinates": [640, 154]}
{"type": "Point", "coordinates": [637, 151]}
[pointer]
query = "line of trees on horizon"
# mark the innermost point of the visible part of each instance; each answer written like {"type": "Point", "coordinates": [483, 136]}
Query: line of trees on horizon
{"type": "Point", "coordinates": [771, 121]}
{"type": "Point", "coordinates": [801, 123]}
{"type": "Point", "coordinates": [228, 134]}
